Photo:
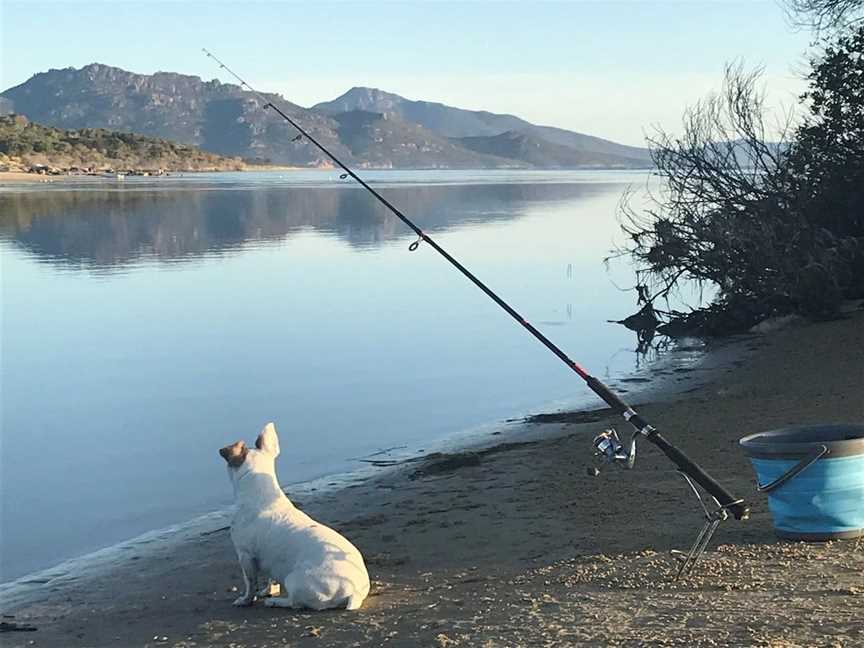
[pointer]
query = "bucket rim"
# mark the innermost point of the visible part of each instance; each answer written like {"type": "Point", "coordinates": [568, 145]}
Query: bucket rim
{"type": "Point", "coordinates": [818, 536]}
{"type": "Point", "coordinates": [776, 443]}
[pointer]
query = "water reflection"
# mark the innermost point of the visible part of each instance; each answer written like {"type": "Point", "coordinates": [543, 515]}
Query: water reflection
{"type": "Point", "coordinates": [106, 229]}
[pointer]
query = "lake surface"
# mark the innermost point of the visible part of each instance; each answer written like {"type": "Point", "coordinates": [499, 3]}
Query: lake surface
{"type": "Point", "coordinates": [147, 323]}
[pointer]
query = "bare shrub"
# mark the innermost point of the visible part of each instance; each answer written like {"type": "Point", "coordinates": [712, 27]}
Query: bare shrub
{"type": "Point", "coordinates": [731, 213]}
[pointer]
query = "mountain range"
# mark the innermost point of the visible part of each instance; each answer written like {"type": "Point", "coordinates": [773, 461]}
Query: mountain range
{"type": "Point", "coordinates": [365, 127]}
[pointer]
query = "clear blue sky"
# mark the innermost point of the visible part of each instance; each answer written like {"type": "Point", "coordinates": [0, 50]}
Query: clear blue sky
{"type": "Point", "coordinates": [606, 68]}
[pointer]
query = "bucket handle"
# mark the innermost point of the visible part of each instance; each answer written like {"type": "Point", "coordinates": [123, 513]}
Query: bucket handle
{"type": "Point", "coordinates": [815, 455]}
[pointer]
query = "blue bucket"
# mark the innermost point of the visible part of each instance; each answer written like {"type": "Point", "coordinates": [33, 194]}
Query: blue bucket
{"type": "Point", "coordinates": [814, 478]}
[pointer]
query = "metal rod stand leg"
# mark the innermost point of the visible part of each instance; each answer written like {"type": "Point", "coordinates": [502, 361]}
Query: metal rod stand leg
{"type": "Point", "coordinates": [713, 518]}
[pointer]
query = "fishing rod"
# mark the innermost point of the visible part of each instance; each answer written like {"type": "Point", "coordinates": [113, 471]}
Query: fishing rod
{"type": "Point", "coordinates": [607, 445]}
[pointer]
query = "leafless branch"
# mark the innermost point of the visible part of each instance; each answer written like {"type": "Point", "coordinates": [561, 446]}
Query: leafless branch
{"type": "Point", "coordinates": [823, 15]}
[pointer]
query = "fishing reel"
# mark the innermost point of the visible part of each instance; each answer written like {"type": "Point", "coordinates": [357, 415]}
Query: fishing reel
{"type": "Point", "coordinates": [608, 450]}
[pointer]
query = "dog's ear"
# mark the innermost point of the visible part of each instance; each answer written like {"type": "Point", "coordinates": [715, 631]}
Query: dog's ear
{"type": "Point", "coordinates": [234, 454]}
{"type": "Point", "coordinates": [267, 441]}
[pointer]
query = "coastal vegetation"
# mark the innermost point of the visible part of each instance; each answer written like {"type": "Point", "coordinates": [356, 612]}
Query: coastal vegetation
{"type": "Point", "coordinates": [31, 147]}
{"type": "Point", "coordinates": [772, 228]}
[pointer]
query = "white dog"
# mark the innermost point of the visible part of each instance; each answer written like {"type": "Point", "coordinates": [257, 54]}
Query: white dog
{"type": "Point", "coordinates": [316, 567]}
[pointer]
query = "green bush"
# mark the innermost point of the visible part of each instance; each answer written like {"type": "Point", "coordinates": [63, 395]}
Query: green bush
{"type": "Point", "coordinates": [100, 148]}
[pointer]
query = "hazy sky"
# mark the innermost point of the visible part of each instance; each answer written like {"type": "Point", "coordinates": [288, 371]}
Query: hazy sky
{"type": "Point", "coordinates": [610, 68]}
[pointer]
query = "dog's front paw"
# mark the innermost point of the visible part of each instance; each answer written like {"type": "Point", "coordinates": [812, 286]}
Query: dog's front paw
{"type": "Point", "coordinates": [244, 601]}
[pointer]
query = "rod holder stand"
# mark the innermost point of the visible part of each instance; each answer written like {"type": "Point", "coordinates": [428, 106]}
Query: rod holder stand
{"type": "Point", "coordinates": [715, 513]}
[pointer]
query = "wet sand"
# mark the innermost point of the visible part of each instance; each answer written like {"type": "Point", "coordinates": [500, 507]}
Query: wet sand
{"type": "Point", "coordinates": [516, 545]}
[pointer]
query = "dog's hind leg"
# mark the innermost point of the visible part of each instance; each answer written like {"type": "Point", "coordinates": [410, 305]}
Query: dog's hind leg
{"type": "Point", "coordinates": [250, 579]}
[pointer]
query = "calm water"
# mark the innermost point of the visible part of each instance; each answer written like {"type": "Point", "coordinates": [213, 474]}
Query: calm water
{"type": "Point", "coordinates": [148, 323]}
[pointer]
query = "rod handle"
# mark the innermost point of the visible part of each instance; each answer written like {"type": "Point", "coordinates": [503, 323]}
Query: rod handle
{"type": "Point", "coordinates": [735, 506]}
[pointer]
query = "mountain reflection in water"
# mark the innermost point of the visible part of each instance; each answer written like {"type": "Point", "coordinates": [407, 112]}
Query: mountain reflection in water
{"type": "Point", "coordinates": [104, 229]}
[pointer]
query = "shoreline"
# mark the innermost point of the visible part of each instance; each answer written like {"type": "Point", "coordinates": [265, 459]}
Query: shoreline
{"type": "Point", "coordinates": [23, 177]}
{"type": "Point", "coordinates": [519, 547]}
{"type": "Point", "coordinates": [12, 178]}
{"type": "Point", "coordinates": [683, 368]}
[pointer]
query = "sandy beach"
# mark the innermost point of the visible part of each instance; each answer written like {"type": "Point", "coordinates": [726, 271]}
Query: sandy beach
{"type": "Point", "coordinates": [518, 546]}
{"type": "Point", "coordinates": [19, 177]}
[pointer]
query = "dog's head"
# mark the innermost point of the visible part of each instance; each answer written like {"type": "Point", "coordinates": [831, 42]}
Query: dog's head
{"type": "Point", "coordinates": [242, 459]}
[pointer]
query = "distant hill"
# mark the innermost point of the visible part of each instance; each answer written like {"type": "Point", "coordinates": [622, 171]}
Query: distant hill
{"type": "Point", "coordinates": [387, 141]}
{"type": "Point", "coordinates": [459, 123]}
{"type": "Point", "coordinates": [541, 153]}
{"type": "Point", "coordinates": [441, 119]}
{"type": "Point", "coordinates": [364, 127]}
{"type": "Point", "coordinates": [25, 144]}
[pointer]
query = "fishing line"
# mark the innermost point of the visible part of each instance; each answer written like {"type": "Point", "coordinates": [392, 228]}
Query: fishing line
{"type": "Point", "coordinates": [606, 444]}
